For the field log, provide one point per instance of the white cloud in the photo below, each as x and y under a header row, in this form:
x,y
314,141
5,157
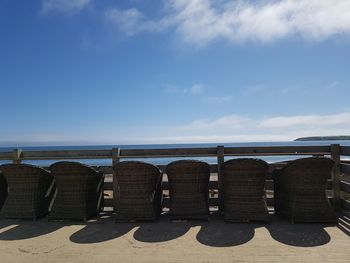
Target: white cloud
x,y
217,99
229,122
200,22
198,90
255,89
63,6
287,90
245,128
332,86
195,89
229,128
307,121
132,21
128,21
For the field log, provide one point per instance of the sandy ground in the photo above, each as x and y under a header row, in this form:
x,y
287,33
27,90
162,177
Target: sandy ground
x,y
102,240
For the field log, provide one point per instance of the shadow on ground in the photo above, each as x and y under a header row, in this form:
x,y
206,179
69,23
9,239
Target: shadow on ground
x,y
5,223
103,229
299,235
20,229
214,233
162,230
217,233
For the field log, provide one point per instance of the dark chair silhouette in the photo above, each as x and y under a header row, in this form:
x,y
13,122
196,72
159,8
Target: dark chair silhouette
x,y
137,191
188,189
3,189
244,189
79,191
30,191
300,190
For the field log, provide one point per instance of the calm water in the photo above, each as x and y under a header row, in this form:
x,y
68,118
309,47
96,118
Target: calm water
x,y
269,159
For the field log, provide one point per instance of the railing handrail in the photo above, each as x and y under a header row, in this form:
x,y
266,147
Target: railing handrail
x,y
345,150
169,152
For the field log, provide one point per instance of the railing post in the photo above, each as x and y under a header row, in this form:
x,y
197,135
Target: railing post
x,y
17,154
220,159
115,161
335,154
115,156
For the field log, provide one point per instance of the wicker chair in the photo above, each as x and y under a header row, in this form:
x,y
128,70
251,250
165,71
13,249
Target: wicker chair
x,y
79,191
137,191
300,190
3,189
30,191
244,189
188,189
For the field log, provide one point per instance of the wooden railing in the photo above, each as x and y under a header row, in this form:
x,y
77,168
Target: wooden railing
x,y
344,190
19,155
339,186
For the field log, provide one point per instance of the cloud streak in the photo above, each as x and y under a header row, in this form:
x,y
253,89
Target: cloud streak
x,y
307,121
201,22
64,6
195,89
237,128
229,128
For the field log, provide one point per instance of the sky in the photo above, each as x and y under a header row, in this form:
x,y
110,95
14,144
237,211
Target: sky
x,y
85,72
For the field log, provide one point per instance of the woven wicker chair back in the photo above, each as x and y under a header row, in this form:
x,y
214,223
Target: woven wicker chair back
x,y
3,189
244,176
68,173
22,177
28,187
188,189
137,191
136,178
244,189
72,169
307,174
79,191
300,190
188,177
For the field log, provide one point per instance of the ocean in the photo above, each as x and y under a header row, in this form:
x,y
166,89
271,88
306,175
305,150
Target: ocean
x,y
103,162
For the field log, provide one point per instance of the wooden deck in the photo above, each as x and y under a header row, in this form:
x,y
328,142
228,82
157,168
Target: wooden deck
x,y
101,240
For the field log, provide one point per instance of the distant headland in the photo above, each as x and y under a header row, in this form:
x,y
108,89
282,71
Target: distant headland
x,y
324,138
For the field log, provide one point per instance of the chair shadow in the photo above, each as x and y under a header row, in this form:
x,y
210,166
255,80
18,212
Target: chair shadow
x,y
217,233
27,229
5,223
163,230
103,229
299,235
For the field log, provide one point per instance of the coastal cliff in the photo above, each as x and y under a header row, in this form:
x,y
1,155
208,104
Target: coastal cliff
x,y
324,138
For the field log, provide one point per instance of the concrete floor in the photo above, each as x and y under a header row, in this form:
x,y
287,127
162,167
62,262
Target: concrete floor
x,y
101,240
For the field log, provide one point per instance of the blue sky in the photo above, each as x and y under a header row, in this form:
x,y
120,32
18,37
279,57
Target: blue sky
x,y
172,71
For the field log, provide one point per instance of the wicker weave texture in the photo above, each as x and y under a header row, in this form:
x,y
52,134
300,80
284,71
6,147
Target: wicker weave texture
x,y
137,191
3,189
79,191
30,191
300,190
244,189
188,189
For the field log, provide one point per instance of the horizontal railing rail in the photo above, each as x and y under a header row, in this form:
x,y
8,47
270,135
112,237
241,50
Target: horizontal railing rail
x,y
66,154
168,152
277,150
345,150
171,152
6,155
345,168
